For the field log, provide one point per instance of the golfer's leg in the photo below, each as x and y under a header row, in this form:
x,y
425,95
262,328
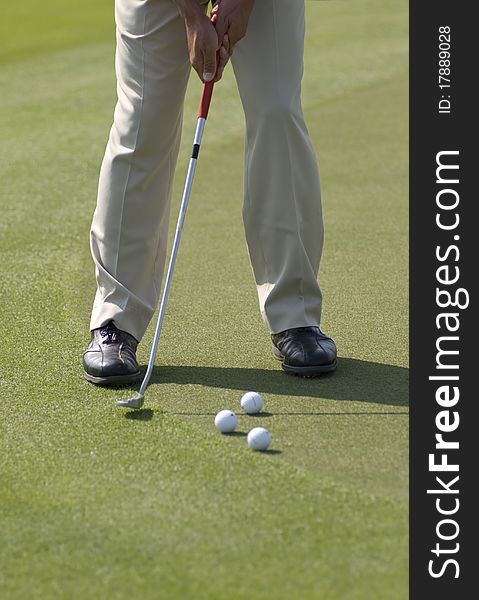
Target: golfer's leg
x,y
130,224
282,205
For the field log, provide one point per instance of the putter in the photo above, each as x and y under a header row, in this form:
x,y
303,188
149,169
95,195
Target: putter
x,y
136,401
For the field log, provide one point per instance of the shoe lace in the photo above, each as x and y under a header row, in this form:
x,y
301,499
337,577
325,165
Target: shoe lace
x,y
109,334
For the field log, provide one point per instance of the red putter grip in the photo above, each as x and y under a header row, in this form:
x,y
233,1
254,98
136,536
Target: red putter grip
x,y
206,99
208,86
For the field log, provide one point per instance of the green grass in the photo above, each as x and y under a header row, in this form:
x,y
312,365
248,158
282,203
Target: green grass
x,y
99,503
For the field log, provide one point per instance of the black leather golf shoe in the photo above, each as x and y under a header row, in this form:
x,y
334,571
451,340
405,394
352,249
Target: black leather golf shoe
x,y
110,359
305,351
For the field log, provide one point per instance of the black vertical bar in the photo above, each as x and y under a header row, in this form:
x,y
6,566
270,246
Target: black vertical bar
x,y
454,132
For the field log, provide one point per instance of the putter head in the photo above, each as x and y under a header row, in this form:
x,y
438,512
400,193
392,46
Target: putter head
x,y
135,402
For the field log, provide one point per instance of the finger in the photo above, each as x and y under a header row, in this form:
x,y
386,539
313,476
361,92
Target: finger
x,y
209,64
222,62
226,44
221,27
214,16
197,65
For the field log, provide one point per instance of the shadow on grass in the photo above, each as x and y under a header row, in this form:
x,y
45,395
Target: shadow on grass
x,y
143,414
355,380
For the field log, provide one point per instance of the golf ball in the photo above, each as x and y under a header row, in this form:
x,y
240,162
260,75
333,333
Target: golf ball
x,y
259,438
251,403
225,421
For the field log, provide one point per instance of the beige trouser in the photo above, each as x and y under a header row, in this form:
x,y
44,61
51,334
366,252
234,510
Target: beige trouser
x,y
282,205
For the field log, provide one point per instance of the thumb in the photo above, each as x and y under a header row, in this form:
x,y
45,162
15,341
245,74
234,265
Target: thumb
x,y
209,64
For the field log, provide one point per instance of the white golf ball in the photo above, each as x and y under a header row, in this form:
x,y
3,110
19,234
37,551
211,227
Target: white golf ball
x,y
251,403
225,421
259,438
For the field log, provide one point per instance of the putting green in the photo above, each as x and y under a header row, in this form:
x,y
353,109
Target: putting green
x,y
96,502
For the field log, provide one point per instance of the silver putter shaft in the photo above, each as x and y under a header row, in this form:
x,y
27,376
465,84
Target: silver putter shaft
x,y
137,400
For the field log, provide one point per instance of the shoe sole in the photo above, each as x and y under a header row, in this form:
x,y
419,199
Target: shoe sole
x,y
308,372
114,380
